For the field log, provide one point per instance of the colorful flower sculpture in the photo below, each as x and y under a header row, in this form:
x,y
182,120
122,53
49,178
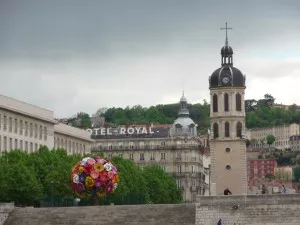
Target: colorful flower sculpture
x,y
94,177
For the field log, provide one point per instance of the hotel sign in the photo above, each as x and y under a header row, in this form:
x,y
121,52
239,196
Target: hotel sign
x,y
120,131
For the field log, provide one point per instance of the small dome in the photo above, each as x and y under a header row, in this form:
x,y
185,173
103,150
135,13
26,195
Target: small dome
x,y
226,50
183,126
237,78
183,99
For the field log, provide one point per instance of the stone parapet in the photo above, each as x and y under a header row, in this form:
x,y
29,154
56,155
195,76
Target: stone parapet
x,y
5,210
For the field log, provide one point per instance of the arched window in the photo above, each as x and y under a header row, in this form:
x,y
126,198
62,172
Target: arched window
x,y
239,129
215,103
238,102
216,130
226,103
227,129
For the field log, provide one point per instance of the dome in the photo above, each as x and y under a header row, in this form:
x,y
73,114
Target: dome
x,y
226,50
183,99
183,126
236,76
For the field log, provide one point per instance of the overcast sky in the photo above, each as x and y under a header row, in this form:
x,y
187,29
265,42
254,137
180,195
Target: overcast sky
x,y
74,55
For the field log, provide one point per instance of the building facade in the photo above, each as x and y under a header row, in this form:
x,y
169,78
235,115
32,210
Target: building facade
x,y
27,127
282,134
177,149
294,143
227,117
72,139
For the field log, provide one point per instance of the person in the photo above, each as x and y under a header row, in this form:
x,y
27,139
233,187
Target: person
x,y
283,189
263,189
219,222
227,192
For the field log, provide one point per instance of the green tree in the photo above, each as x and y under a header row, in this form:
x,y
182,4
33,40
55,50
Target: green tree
x,y
161,186
270,139
296,172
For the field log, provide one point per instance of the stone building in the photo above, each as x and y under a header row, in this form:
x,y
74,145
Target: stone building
x,y
27,127
227,117
282,134
177,149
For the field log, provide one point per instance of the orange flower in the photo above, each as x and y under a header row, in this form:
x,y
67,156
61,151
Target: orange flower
x,y
99,167
100,193
80,169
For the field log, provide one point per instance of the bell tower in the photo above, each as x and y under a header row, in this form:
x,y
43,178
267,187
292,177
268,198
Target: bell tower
x,y
227,118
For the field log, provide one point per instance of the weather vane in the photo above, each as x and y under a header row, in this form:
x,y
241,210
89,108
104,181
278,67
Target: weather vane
x,y
226,28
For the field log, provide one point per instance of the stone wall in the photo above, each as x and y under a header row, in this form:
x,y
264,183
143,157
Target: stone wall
x,y
280,209
181,214
5,209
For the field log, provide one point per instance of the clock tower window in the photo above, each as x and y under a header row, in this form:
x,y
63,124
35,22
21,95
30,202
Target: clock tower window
x,y
215,103
238,101
227,129
226,102
239,129
216,130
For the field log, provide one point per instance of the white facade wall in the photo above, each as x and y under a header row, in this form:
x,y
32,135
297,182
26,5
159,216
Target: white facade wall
x,y
72,139
281,133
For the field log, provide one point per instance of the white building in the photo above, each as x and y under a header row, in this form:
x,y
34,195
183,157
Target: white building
x,y
72,139
282,134
27,127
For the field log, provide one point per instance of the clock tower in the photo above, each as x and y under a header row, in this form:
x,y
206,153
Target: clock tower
x,y
227,118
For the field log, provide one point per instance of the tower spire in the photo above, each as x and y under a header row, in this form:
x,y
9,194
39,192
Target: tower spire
x,y
226,28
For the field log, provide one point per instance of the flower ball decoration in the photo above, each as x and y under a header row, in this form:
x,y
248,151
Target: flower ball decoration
x,y
94,177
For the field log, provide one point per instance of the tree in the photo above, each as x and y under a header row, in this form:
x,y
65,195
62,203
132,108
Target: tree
x,y
161,186
270,139
297,173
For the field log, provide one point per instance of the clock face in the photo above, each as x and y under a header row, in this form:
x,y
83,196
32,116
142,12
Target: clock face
x,y
225,80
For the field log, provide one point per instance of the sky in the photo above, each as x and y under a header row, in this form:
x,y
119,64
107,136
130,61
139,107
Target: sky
x,y
74,56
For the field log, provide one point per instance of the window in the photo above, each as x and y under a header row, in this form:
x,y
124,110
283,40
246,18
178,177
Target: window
x,y
10,124
16,125
5,143
193,182
41,132
45,133
31,147
26,128
227,130
35,131
142,156
121,155
178,155
109,155
31,130
21,144
26,146
152,157
162,156
131,156
36,147
179,183
239,129
16,143
5,123
216,130
21,127
228,167
238,102
178,169
227,150
193,169
226,103
215,103
10,144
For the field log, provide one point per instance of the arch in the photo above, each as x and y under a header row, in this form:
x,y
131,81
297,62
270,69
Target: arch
x,y
216,130
238,102
226,102
215,103
239,129
227,129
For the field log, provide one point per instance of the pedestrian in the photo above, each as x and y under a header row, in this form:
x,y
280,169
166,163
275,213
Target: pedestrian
x,y
283,189
227,192
219,222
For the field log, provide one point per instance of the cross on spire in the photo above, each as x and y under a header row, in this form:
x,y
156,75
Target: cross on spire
x,y
226,28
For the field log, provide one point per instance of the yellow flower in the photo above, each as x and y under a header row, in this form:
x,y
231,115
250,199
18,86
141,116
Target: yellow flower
x,y
80,169
89,182
99,167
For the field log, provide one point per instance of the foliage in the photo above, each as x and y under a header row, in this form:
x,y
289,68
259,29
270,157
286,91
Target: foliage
x,y
284,160
297,173
28,179
161,186
81,120
270,139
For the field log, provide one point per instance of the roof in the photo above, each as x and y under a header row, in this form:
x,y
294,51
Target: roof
x,y
72,132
